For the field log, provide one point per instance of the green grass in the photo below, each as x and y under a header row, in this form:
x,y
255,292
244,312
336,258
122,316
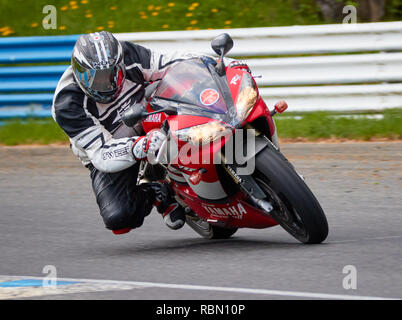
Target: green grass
x,y
325,125
24,17
31,131
312,126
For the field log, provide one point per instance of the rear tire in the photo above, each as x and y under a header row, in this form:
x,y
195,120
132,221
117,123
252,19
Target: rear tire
x,y
295,207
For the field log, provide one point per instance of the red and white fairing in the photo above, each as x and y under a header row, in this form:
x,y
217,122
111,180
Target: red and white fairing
x,y
197,183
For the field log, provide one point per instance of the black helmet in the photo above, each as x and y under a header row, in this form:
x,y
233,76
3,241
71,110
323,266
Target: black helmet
x,y
98,66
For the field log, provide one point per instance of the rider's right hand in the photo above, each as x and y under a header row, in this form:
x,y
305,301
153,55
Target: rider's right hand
x,y
149,144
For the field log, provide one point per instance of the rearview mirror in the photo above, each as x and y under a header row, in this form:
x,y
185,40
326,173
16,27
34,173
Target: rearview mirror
x,y
222,44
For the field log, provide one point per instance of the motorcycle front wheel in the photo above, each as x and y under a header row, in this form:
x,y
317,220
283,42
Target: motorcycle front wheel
x,y
295,207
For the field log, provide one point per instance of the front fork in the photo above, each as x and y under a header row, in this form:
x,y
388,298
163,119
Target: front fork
x,y
246,182
250,187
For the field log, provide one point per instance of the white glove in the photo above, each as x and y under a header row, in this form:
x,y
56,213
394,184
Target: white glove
x,y
148,145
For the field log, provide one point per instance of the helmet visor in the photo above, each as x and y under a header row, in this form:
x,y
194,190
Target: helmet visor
x,y
105,80
102,84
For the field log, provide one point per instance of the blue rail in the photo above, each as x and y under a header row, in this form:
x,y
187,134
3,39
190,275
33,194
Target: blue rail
x,y
27,91
36,49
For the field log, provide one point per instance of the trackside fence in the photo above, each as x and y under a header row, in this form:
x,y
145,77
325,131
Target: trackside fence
x,y
348,67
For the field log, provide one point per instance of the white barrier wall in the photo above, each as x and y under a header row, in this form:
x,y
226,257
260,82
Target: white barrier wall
x,y
361,68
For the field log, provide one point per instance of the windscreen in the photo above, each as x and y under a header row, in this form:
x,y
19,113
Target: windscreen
x,y
191,83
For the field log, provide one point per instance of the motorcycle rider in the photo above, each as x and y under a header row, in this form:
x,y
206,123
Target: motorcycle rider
x,y
105,78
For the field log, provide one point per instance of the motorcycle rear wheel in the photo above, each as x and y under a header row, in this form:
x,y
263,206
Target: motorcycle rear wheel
x,y
295,207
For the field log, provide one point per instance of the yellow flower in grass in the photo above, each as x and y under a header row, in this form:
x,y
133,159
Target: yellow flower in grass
x,y
150,7
34,25
74,7
228,22
64,8
189,14
62,28
165,26
144,17
113,8
88,15
7,32
194,22
171,4
193,6
84,1
214,10
73,3
155,13
189,28
157,8
100,28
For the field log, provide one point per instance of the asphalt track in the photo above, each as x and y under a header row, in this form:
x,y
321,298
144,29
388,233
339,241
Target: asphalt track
x,y
48,216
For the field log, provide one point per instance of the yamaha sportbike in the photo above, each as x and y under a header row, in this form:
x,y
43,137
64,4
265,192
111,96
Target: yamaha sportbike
x,y
221,156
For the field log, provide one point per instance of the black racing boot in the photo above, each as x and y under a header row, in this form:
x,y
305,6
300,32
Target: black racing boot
x,y
172,212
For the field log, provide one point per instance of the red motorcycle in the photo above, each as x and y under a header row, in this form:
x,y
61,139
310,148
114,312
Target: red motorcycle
x,y
212,114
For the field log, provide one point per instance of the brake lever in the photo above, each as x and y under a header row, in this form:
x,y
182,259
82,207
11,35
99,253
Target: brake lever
x,y
160,152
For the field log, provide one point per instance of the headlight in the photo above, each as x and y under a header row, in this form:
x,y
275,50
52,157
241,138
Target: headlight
x,y
246,98
204,133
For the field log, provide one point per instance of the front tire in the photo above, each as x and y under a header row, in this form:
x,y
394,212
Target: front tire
x,y
295,207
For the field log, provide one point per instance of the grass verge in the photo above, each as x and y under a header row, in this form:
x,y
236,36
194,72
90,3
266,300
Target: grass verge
x,y
309,127
24,18
324,125
31,131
